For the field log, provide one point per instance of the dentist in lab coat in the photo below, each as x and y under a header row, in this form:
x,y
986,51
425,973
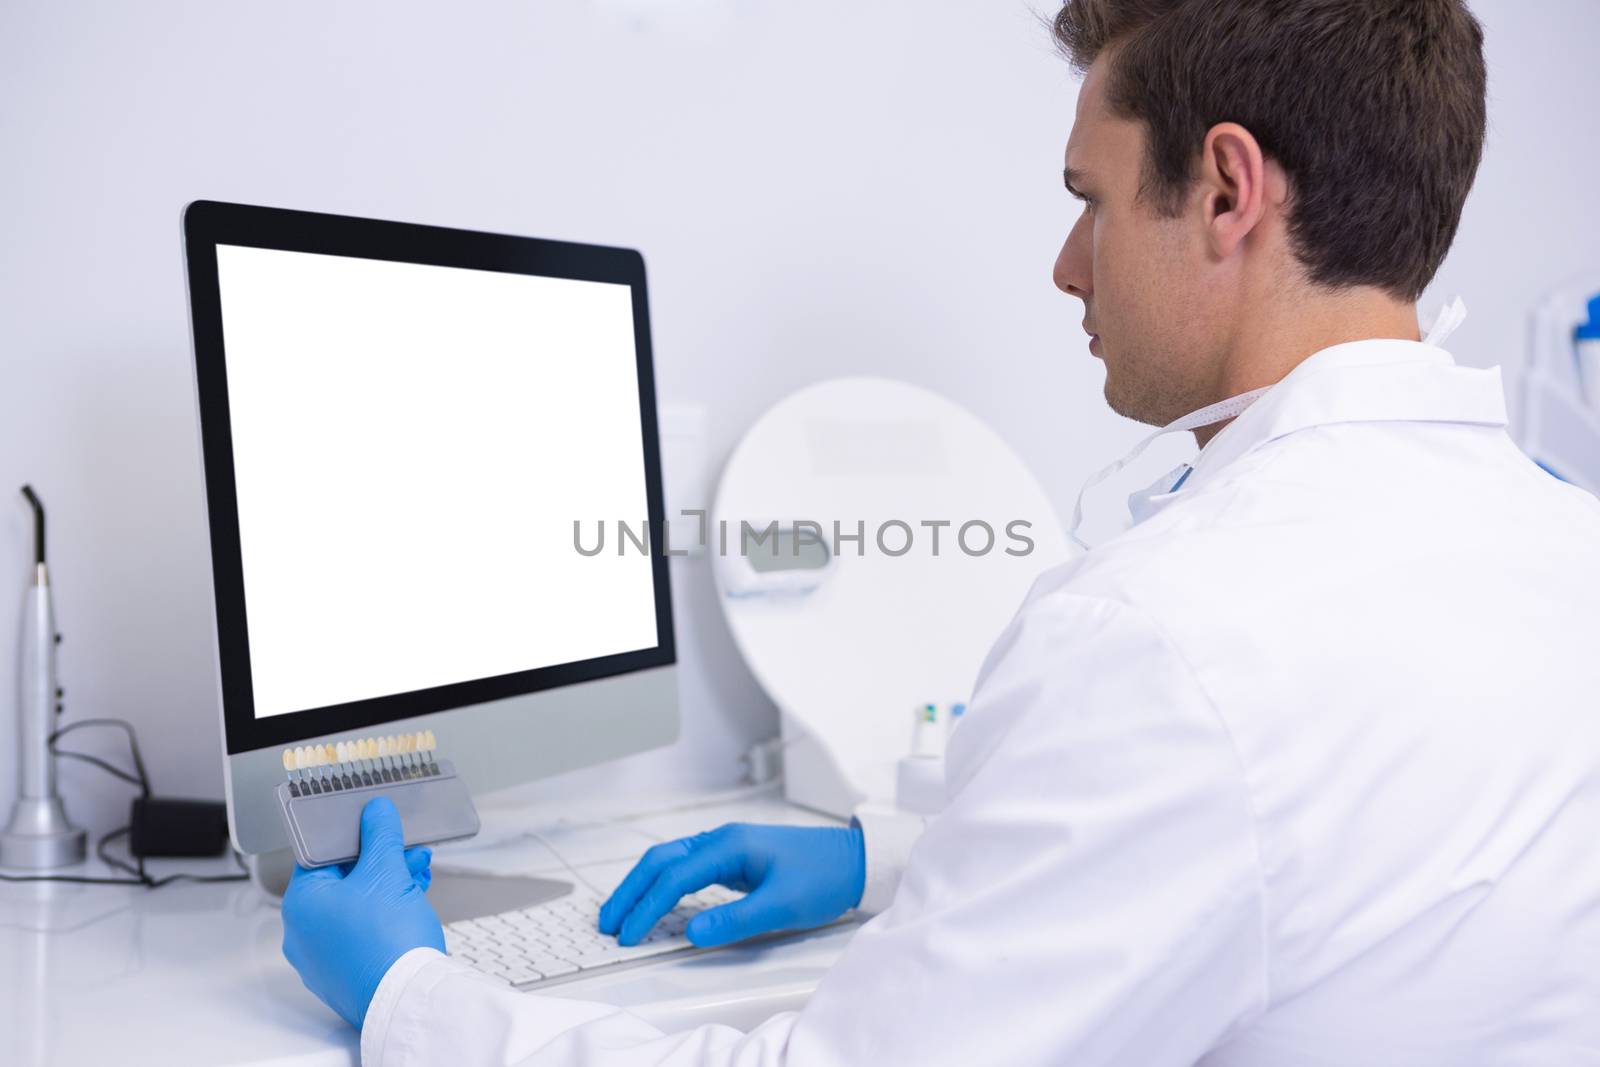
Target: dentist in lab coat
x,y
1302,768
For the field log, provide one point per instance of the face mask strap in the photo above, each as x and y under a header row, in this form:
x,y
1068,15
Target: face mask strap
x,y
1206,416
1445,322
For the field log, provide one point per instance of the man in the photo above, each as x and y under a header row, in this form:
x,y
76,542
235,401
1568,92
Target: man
x,y
1304,768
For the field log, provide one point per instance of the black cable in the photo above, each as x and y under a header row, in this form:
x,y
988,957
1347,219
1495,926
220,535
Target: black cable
x,y
156,883
133,744
142,780
68,878
98,762
139,877
184,876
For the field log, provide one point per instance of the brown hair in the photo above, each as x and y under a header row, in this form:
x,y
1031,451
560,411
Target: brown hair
x,y
1374,109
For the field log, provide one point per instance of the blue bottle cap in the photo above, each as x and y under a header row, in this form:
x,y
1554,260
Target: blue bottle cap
x,y
1590,331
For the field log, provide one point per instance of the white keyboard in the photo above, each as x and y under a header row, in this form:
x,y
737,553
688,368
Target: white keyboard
x,y
561,940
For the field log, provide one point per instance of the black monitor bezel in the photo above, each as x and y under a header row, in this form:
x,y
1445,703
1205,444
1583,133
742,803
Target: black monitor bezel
x,y
207,224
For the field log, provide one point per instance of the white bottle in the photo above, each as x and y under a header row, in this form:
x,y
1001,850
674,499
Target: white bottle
x,y
919,777
1586,340
957,712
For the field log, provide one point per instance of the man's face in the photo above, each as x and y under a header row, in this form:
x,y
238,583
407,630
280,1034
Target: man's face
x,y
1142,278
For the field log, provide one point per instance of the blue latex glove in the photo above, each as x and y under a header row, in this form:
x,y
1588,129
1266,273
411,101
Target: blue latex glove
x,y
796,877
344,926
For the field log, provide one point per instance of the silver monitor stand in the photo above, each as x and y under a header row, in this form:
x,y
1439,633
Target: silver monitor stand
x,y
454,894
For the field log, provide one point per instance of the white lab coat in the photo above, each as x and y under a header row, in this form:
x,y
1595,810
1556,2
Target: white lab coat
x,y
1304,769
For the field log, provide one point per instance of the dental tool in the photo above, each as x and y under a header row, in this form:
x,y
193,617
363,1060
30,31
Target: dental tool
x,y
39,835
325,787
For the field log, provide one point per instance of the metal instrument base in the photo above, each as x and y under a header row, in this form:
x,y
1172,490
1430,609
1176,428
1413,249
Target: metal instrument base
x,y
40,837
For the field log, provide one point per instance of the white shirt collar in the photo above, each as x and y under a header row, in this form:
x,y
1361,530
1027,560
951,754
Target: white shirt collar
x,y
1380,380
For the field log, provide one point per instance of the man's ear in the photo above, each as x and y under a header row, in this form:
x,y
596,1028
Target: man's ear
x,y
1234,193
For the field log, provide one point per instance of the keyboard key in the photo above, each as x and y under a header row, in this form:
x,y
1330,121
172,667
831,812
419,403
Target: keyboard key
x,y
616,954
553,968
524,973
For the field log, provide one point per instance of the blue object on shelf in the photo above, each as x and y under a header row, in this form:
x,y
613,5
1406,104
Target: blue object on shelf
x,y
1590,331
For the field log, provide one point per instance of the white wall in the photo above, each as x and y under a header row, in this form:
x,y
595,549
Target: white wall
x,y
819,189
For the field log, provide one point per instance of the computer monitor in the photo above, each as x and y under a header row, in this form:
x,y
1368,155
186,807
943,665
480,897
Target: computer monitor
x,y
404,429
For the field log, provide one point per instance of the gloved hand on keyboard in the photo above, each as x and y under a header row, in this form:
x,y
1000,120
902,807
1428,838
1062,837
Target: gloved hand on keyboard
x,y
344,926
796,877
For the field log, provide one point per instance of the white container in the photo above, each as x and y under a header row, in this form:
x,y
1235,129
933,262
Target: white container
x,y
919,777
919,785
1586,342
1589,371
1556,419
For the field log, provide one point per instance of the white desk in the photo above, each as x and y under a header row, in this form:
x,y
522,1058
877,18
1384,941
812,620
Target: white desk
x,y
194,974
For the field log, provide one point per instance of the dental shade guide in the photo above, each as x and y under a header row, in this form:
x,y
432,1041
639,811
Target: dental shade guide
x,y
327,785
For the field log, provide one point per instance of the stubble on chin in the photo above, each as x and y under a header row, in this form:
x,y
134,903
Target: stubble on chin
x,y
1146,397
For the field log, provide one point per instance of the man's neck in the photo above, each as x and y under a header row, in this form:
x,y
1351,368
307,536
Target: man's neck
x,y
1274,341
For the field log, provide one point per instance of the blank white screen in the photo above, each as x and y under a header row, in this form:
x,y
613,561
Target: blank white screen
x,y
411,447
